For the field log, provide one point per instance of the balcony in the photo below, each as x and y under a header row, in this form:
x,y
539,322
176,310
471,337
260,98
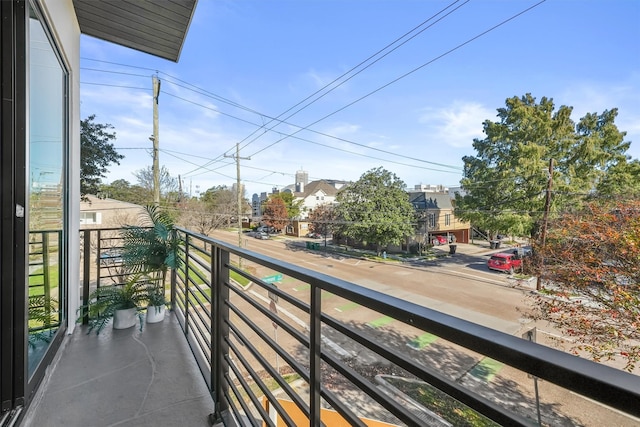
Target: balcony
x,y
255,341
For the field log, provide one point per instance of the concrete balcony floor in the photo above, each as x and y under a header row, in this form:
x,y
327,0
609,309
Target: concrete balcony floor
x,y
123,378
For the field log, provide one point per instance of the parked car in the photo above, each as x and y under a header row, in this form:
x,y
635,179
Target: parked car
x,y
262,235
439,240
507,262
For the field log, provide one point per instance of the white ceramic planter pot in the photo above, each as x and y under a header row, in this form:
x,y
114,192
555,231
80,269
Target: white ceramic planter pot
x,y
155,313
123,319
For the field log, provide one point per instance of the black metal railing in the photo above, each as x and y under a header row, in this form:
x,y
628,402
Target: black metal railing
x,y
45,258
278,343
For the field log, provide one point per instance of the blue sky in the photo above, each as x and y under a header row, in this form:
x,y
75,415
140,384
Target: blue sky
x,y
247,62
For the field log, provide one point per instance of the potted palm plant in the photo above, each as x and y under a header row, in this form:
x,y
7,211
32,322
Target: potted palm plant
x,y
120,302
152,249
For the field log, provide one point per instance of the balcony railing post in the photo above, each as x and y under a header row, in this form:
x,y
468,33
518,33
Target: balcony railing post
x,y
172,288
86,275
98,244
314,355
219,326
187,284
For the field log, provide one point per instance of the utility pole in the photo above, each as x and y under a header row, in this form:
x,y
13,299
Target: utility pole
x,y
545,220
238,190
156,142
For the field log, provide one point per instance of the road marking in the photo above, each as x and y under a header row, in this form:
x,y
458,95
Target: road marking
x,y
486,369
304,287
381,321
422,341
347,307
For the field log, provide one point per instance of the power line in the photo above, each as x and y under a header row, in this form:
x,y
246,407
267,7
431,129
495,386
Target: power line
x,y
456,168
405,75
272,119
337,79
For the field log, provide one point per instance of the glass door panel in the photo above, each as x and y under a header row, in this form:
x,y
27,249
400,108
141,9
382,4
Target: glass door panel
x,y
46,192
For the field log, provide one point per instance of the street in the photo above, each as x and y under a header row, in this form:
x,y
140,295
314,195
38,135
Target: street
x,y
458,285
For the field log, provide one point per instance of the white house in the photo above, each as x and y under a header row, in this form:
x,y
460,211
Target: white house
x,y
314,194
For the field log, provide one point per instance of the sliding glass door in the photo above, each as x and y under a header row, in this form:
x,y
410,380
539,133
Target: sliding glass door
x,y
46,192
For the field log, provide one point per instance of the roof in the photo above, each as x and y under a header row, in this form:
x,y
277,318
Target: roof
x,y
314,186
156,27
422,200
95,203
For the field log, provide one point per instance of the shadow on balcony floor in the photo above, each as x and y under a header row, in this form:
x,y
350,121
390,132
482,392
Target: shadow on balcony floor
x,y
124,378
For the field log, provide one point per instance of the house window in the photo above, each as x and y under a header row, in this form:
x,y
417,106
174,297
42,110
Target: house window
x,y
447,219
432,220
87,218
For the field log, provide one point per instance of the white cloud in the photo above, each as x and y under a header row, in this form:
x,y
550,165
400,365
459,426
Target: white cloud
x,y
455,125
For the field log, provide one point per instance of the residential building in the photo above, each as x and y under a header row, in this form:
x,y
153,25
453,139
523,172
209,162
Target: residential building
x,y
97,212
314,194
436,216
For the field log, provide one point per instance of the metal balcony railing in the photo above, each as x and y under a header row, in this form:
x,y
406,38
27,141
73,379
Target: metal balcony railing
x,y
279,344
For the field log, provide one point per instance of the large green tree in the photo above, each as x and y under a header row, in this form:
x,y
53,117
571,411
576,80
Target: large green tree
x,y
96,154
623,179
506,181
122,190
375,209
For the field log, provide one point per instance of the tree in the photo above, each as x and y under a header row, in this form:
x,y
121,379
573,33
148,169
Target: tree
x,y
623,179
274,213
591,267
293,206
375,209
505,183
96,154
168,184
222,203
322,219
122,190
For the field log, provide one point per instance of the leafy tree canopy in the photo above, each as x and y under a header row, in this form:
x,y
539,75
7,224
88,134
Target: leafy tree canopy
x,y
322,219
623,179
274,213
590,266
293,206
505,182
122,190
375,209
96,154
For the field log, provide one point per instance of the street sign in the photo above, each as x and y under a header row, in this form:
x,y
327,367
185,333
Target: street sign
x,y
272,279
274,309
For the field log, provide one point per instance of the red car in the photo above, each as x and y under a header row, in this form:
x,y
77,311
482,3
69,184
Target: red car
x,y
439,240
504,262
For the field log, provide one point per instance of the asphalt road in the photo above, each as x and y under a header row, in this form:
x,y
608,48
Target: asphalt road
x,y
460,285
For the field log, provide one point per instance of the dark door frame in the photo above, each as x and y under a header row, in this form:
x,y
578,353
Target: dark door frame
x,y
13,111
